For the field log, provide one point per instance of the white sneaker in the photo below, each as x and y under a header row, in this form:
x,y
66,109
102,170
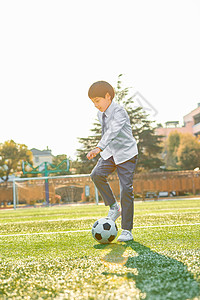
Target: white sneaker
x,y
114,212
125,236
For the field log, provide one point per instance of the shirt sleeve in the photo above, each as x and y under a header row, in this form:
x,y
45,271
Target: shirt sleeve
x,y
114,128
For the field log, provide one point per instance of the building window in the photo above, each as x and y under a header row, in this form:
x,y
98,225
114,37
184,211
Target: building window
x,y
196,119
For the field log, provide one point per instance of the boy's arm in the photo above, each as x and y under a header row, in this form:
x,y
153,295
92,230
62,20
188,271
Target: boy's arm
x,y
93,153
115,126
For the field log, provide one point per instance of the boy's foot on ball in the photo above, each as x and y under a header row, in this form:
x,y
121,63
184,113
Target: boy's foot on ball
x,y
114,212
125,236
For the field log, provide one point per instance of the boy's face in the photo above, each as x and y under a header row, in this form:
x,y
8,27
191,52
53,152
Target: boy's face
x,y
102,103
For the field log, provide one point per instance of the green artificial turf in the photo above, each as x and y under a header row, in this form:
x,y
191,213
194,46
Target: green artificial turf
x,y
52,260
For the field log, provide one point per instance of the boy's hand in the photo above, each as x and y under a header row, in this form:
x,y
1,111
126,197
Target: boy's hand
x,y
93,153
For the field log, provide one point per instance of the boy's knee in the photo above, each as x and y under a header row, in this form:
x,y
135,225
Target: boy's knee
x,y
126,189
93,175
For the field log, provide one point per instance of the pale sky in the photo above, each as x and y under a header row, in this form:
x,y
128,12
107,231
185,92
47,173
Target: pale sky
x,y
52,51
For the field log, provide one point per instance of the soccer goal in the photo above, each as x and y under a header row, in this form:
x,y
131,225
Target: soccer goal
x,y
53,190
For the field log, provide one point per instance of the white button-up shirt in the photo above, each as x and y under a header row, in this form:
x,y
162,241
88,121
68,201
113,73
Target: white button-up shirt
x,y
117,140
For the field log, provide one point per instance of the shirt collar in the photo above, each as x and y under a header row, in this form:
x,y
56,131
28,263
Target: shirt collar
x,y
110,109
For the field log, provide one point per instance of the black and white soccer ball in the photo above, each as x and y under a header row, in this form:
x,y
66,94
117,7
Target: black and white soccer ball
x,y
104,230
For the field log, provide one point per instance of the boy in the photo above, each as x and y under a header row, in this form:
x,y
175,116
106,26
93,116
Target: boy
x,y
118,150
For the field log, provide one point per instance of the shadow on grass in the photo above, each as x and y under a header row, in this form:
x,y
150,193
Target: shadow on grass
x,y
159,277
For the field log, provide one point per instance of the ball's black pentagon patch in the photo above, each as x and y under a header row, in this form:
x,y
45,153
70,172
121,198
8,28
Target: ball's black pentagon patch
x,y
106,226
95,224
111,238
98,236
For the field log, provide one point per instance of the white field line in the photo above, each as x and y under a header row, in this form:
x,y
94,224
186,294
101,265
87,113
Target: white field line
x,y
23,217
44,233
141,210
87,218
172,209
167,225
48,221
167,213
87,230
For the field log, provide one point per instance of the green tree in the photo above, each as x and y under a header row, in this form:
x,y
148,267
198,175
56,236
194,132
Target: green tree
x,y
83,165
143,131
172,145
183,151
149,144
188,153
11,156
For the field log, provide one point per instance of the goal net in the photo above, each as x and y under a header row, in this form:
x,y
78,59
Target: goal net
x,y
44,191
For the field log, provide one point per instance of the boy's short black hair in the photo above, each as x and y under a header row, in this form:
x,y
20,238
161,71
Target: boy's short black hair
x,y
100,89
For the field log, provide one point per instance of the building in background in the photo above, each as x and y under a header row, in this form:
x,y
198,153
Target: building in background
x,y
193,118
40,156
191,125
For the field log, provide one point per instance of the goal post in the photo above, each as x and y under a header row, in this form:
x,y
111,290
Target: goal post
x,y
64,189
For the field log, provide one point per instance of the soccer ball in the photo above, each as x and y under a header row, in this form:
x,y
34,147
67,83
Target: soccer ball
x,y
104,230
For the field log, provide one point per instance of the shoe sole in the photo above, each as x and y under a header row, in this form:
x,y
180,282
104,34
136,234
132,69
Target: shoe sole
x,y
119,240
